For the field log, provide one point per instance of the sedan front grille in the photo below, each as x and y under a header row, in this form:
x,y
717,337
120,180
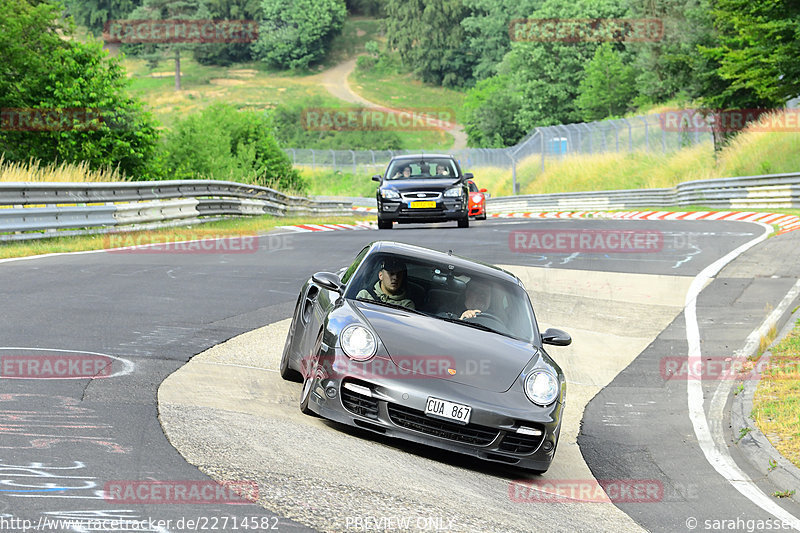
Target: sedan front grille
x,y
418,421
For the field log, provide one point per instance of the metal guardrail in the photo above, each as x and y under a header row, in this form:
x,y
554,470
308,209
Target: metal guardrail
x,y
775,191
51,207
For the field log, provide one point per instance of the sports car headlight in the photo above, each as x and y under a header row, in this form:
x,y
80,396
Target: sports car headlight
x,y
390,194
454,192
541,387
358,342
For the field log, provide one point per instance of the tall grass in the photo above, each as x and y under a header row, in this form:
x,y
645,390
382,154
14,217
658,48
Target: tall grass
x,y
750,153
33,170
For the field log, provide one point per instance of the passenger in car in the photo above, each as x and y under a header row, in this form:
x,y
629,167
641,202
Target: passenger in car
x,y
405,173
390,287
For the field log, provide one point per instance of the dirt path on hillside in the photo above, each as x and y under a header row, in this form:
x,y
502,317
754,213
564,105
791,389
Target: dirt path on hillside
x,y
335,80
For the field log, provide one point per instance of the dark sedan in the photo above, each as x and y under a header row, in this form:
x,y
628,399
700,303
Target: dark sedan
x,y
422,188
429,347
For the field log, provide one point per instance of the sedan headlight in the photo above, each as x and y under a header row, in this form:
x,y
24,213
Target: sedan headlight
x,y
390,194
541,387
454,192
358,342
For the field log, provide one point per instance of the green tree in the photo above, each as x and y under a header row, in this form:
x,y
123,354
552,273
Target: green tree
x,y
94,14
223,143
759,47
296,33
490,109
45,73
227,53
154,53
608,87
430,40
487,31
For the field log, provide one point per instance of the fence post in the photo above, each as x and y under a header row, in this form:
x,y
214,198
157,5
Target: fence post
x,y
616,135
313,160
630,134
646,133
354,161
541,143
334,160
590,136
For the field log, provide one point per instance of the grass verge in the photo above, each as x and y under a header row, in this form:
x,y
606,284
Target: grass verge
x,y
776,405
210,230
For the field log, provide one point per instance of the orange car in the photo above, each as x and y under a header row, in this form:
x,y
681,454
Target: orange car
x,y
477,201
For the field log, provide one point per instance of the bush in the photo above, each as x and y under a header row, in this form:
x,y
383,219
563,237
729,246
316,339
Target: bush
x,y
223,143
287,124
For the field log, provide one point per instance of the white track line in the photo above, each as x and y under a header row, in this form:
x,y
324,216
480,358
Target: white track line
x,y
718,456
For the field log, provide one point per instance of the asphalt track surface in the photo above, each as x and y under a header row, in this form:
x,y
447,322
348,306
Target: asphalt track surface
x,y
64,441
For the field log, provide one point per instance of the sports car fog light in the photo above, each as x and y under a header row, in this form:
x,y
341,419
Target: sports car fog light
x,y
330,392
541,387
547,446
358,342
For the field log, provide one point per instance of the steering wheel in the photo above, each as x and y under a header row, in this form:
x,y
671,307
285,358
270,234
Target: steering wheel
x,y
491,320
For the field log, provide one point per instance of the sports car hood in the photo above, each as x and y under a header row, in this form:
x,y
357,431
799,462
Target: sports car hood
x,y
434,348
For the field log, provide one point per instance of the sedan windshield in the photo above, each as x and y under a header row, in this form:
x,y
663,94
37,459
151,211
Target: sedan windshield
x,y
446,292
427,168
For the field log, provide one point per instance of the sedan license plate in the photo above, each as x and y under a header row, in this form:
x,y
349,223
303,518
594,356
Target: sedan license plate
x,y
452,411
422,205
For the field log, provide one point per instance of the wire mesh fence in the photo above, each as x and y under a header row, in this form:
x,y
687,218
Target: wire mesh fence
x,y
653,133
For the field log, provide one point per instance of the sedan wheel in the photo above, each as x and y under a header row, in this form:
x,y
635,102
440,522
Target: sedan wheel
x,y
384,224
464,222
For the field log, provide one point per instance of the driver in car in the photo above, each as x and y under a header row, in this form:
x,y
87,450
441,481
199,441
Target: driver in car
x,y
390,287
405,173
477,299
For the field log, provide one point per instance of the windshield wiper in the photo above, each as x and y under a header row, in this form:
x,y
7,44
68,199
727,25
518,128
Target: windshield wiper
x,y
387,304
472,325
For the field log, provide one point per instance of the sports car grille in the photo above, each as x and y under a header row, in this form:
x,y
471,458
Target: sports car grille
x,y
521,444
416,420
360,405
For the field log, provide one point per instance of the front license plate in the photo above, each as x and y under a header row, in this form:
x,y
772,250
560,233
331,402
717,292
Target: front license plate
x,y
422,205
444,409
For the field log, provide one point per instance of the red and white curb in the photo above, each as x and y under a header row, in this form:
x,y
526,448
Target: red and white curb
x,y
785,222
358,225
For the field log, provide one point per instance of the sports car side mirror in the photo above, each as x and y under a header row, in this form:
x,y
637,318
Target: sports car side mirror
x,y
482,190
328,280
556,337
376,177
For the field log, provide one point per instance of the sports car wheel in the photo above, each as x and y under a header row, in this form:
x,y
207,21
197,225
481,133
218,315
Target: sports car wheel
x,y
305,395
482,217
287,373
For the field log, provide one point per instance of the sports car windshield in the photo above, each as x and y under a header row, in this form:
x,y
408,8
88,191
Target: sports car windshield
x,y
446,292
423,169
